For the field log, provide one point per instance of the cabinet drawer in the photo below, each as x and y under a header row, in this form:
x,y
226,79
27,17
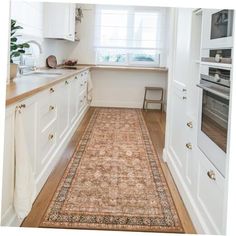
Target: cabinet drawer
x,y
47,113
210,192
83,80
46,145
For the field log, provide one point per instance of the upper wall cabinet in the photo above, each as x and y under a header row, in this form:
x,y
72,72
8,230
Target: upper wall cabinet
x,y
59,21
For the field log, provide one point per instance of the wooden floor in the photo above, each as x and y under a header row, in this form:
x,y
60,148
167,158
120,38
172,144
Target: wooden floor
x,y
155,121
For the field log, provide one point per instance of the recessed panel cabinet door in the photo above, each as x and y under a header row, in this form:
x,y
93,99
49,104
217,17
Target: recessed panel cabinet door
x,y
178,129
74,94
179,91
59,21
63,109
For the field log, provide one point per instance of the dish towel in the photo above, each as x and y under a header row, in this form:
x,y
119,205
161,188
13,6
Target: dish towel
x,y
89,89
25,185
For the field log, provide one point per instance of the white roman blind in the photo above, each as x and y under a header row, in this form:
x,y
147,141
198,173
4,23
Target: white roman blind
x,y
130,35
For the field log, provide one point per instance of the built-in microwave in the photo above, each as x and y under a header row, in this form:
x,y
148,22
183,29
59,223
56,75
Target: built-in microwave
x,y
217,28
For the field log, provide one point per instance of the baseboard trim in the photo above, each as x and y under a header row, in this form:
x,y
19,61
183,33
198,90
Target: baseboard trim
x,y
118,104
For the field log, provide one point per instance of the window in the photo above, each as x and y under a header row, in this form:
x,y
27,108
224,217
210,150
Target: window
x,y
129,36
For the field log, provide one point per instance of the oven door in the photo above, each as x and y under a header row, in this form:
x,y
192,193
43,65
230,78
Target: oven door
x,y
217,28
213,125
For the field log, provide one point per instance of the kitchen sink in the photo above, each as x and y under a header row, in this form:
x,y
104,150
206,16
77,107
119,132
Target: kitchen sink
x,y
43,74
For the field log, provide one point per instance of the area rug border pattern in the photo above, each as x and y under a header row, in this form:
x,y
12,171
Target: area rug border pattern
x,y
53,219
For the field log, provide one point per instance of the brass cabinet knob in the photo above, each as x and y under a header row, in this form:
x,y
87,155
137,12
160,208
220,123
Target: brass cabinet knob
x,y
184,97
50,136
81,85
81,100
184,90
52,90
76,77
190,124
85,82
211,174
51,108
22,106
189,146
66,82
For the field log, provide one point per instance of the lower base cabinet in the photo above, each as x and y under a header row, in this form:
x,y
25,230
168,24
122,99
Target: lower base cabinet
x,y
49,120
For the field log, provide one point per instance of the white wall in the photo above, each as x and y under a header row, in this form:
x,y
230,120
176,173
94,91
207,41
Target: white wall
x,y
124,88
29,15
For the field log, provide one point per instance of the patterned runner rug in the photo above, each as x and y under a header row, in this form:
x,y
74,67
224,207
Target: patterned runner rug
x,y
114,180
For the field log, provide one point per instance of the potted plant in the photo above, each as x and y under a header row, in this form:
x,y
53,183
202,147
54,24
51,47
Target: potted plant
x,y
16,49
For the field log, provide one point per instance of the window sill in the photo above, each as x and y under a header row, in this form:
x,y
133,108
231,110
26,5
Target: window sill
x,y
114,67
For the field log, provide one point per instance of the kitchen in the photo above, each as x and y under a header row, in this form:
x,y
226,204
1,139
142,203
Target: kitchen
x,y
77,97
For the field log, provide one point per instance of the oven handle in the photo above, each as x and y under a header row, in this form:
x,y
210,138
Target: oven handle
x,y
220,94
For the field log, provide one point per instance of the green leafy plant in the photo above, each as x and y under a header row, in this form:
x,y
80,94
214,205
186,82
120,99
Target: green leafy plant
x,y
16,48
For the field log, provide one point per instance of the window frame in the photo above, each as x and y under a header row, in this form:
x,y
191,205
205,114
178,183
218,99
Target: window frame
x,y
131,16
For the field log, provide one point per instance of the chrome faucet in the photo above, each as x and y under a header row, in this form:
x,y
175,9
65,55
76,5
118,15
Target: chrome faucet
x,y
22,63
36,43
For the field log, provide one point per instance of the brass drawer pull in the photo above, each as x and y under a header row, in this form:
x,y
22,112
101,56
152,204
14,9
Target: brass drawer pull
x,y
189,146
76,77
50,136
184,97
184,90
66,82
190,124
52,90
211,174
51,108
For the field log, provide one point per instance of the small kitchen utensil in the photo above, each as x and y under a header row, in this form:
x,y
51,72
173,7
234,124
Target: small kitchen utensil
x,y
51,61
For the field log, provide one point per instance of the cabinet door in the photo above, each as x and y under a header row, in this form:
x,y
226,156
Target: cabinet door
x,y
178,129
59,21
71,22
74,94
63,109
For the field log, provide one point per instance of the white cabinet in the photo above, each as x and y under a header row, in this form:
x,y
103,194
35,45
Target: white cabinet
x,y
210,192
47,113
49,120
74,94
63,97
59,21
201,186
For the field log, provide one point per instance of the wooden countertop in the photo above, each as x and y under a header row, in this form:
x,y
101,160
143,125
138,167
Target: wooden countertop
x,y
26,86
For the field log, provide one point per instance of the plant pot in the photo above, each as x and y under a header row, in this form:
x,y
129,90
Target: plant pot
x,y
13,70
